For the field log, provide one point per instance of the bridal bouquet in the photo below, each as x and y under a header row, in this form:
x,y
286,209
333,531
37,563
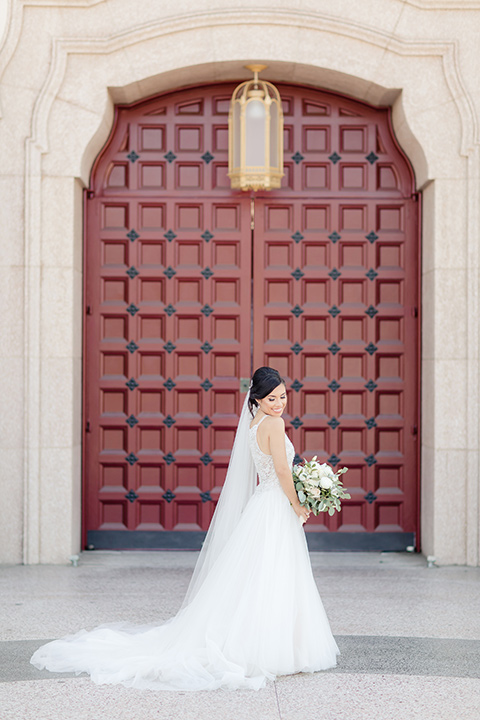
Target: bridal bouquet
x,y
319,488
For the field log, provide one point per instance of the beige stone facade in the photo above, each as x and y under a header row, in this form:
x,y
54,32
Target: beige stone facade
x,y
63,66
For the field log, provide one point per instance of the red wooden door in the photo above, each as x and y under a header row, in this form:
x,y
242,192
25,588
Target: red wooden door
x,y
168,270
168,330
336,298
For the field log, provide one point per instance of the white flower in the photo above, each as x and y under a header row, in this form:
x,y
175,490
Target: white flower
x,y
326,482
326,470
314,492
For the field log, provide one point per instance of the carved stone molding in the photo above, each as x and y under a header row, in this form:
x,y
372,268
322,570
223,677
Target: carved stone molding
x,y
215,21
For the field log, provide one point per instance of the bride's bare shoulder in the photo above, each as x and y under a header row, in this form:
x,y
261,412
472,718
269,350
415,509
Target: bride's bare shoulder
x,y
275,424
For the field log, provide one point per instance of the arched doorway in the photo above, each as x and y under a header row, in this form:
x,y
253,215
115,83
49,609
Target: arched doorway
x,y
189,285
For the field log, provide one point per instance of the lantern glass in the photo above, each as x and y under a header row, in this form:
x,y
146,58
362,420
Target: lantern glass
x,y
255,134
274,135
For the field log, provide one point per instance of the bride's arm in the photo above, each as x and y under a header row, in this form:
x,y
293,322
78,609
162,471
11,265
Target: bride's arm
x,y
276,429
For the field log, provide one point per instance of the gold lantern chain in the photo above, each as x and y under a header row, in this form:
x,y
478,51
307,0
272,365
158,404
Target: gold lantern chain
x,y
256,69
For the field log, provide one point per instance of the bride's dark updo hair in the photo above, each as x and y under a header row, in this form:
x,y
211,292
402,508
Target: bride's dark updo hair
x,y
264,380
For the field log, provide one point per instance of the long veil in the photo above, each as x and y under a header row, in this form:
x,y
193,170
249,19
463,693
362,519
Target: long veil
x,y
237,489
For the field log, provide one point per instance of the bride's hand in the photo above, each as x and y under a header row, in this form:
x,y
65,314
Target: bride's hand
x,y
302,512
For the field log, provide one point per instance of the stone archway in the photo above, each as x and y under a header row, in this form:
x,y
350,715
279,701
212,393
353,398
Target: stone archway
x,y
70,123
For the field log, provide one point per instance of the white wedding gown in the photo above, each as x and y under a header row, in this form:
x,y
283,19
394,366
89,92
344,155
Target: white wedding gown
x,y
258,614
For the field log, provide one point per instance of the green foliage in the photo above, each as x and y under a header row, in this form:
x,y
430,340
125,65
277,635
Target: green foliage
x,y
319,488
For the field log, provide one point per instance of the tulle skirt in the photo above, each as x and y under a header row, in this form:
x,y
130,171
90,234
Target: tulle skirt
x,y
257,615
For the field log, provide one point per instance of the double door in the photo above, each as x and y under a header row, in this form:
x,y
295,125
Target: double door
x,y
212,290
190,286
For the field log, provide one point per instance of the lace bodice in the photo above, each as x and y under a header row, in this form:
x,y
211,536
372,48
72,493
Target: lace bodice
x,y
264,463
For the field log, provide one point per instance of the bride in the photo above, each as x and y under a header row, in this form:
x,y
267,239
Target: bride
x,y
252,609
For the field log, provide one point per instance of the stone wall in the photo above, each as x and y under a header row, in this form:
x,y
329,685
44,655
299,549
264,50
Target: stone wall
x,y
63,65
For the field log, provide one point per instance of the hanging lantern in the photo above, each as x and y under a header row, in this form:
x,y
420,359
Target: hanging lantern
x,y
255,135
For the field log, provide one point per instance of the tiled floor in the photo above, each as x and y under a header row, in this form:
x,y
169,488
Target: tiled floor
x,y
409,637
